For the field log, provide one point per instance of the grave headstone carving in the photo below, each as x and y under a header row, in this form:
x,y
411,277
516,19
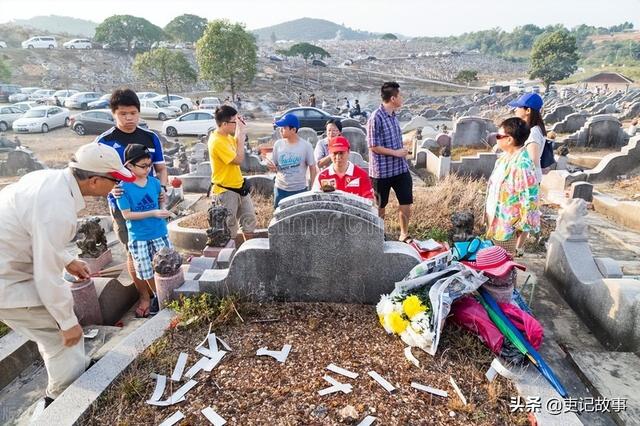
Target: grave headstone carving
x,y
462,226
583,190
218,234
357,140
91,239
571,224
168,274
309,135
472,130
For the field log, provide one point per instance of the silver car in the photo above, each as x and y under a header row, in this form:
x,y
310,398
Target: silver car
x,y
8,115
42,119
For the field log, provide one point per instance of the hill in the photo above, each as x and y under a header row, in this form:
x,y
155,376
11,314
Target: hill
x,y
53,24
309,29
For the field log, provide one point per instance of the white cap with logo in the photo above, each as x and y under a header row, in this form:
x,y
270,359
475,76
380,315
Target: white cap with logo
x,y
102,160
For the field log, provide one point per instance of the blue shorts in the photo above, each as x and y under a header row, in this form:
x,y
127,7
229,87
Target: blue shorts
x,y
142,253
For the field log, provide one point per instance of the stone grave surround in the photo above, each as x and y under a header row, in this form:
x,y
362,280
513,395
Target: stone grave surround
x,y
600,131
472,130
322,247
594,287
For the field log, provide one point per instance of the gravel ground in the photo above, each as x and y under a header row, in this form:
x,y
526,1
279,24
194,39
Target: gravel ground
x,y
249,390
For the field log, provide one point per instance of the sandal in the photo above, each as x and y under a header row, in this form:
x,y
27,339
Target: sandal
x,y
408,239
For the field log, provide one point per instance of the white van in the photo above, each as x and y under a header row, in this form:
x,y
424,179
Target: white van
x,y
40,42
78,43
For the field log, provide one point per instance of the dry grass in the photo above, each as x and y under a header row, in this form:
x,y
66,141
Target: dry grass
x,y
458,152
433,206
249,390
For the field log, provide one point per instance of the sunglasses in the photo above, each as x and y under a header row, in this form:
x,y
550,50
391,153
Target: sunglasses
x,y
143,166
107,177
499,136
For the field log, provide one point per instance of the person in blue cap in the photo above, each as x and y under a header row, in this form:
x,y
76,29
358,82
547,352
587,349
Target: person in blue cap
x,y
292,156
528,107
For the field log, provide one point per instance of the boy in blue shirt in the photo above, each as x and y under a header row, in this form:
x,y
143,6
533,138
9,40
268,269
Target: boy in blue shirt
x,y
146,221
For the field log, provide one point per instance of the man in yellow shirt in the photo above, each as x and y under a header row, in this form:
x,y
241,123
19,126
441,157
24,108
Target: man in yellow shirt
x,y
226,153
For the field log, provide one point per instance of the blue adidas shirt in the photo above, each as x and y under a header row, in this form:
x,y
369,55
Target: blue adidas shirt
x,y
118,140
142,199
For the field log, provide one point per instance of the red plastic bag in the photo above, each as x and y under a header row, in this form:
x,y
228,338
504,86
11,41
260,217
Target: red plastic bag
x,y
469,314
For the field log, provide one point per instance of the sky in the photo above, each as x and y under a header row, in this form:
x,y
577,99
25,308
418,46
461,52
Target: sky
x,y
407,17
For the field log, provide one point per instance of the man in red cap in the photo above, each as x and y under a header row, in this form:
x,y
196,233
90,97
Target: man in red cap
x,y
342,174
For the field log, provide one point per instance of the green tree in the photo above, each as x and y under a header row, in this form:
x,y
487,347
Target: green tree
x,y
466,76
554,57
307,51
187,28
5,72
227,55
125,29
163,67
389,36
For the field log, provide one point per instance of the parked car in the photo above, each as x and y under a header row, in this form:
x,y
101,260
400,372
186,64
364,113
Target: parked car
x,y
210,103
62,95
310,117
147,95
318,63
40,42
6,90
185,104
3,45
81,100
8,115
120,47
100,103
191,123
42,119
78,43
25,105
23,95
41,95
158,109
95,122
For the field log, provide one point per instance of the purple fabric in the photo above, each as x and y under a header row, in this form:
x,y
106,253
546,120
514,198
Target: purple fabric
x,y
383,130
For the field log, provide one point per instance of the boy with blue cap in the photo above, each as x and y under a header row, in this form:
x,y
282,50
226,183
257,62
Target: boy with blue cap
x,y
292,156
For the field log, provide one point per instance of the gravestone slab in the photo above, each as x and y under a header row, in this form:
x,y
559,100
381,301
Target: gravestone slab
x,y
261,184
309,135
472,130
421,160
582,190
358,141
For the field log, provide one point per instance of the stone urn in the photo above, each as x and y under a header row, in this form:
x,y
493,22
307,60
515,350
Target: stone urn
x,y
168,274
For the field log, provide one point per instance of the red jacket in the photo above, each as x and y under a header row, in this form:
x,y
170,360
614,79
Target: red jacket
x,y
355,181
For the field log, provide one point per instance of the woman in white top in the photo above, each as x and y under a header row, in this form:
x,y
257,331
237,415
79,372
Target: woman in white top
x,y
528,107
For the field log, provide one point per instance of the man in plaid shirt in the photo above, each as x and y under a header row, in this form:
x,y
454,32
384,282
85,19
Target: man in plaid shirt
x,y
388,166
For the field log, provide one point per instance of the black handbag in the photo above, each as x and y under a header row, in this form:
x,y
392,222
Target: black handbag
x,y
547,158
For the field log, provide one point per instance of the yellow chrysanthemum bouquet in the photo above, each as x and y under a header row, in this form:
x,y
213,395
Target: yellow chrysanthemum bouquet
x,y
408,316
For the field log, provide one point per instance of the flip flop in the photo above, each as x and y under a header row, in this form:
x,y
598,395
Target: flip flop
x,y
142,312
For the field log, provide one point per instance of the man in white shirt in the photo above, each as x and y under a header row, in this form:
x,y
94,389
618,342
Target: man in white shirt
x,y
38,216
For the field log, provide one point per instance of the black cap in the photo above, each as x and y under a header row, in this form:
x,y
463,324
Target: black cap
x,y
134,152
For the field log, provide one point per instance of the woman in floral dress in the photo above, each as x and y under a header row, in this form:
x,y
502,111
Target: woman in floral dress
x,y
511,209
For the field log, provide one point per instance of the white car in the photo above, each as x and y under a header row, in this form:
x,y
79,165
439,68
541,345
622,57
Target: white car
x,y
185,104
40,42
147,95
62,96
23,95
191,123
157,109
42,119
25,106
9,114
210,103
41,95
78,43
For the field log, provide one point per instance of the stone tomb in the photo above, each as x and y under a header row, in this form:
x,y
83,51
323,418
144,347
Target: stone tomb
x,y
321,247
358,141
472,130
309,135
600,131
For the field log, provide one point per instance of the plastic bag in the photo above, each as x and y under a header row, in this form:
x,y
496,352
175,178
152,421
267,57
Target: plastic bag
x,y
469,314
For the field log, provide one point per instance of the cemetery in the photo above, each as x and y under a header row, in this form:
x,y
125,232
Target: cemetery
x,y
320,315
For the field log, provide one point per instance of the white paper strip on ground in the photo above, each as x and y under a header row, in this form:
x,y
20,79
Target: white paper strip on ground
x,y
382,382
161,382
206,352
368,421
280,356
498,368
179,368
182,391
195,368
206,337
165,403
173,419
224,344
345,388
429,389
457,389
213,344
409,355
213,417
339,370
210,365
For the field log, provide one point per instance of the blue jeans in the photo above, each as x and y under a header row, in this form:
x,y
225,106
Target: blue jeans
x,y
281,194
